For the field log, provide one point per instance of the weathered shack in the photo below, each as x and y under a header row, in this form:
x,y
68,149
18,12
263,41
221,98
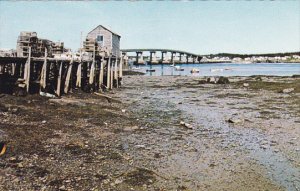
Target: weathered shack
x,y
105,40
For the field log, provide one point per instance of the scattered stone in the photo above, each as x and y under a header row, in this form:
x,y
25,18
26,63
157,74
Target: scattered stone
x,y
44,121
131,128
288,90
157,155
258,78
3,108
296,76
223,80
123,110
235,120
20,165
245,84
273,143
140,146
118,181
12,159
202,82
211,80
263,146
187,125
139,177
62,187
66,101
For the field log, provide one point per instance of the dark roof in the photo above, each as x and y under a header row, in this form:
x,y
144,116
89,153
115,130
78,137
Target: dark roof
x,y
105,29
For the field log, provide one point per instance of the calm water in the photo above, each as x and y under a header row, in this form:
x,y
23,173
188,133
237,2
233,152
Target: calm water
x,y
225,69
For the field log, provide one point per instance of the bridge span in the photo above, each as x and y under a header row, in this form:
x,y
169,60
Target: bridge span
x,y
167,56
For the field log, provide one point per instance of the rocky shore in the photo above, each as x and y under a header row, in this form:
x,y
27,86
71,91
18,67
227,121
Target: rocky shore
x,y
156,133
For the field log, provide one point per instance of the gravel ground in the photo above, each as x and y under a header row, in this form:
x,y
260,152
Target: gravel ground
x,y
156,133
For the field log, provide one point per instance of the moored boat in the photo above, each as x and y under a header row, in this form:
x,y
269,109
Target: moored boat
x,y
195,70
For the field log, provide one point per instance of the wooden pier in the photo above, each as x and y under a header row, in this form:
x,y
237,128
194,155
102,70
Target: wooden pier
x,y
57,76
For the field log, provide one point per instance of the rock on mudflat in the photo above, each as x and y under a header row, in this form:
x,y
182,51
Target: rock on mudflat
x,y
245,84
211,80
288,90
235,120
296,76
223,80
131,128
189,126
3,108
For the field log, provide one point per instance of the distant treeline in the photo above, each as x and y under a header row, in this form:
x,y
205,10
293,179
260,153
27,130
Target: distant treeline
x,y
250,55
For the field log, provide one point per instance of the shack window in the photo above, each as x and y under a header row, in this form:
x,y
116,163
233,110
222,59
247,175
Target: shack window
x,y
100,38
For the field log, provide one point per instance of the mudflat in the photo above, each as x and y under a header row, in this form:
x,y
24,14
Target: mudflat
x,y
156,133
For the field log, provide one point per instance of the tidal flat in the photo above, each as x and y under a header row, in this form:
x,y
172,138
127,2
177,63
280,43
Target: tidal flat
x,y
156,133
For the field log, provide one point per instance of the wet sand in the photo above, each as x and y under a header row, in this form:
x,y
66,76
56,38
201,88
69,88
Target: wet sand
x,y
137,139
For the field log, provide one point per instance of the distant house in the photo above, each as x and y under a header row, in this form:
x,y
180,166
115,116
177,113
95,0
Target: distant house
x,y
105,40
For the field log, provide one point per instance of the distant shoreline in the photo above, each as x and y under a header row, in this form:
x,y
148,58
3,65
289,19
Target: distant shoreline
x,y
223,62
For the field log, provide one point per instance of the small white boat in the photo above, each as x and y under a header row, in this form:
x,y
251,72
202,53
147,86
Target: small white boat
x,y
172,65
195,70
136,68
178,68
216,70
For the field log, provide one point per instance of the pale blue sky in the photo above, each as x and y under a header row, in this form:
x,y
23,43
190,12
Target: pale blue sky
x,y
201,27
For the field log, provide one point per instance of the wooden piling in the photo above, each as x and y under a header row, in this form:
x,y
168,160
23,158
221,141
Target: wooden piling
x,y
121,66
116,72
67,82
101,73
27,71
92,70
111,76
43,80
92,73
59,79
108,72
78,76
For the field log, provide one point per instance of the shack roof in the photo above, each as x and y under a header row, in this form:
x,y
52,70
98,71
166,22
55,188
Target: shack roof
x,y
101,26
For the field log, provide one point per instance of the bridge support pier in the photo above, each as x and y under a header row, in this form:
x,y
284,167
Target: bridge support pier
x,y
151,57
162,56
180,57
139,57
172,56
